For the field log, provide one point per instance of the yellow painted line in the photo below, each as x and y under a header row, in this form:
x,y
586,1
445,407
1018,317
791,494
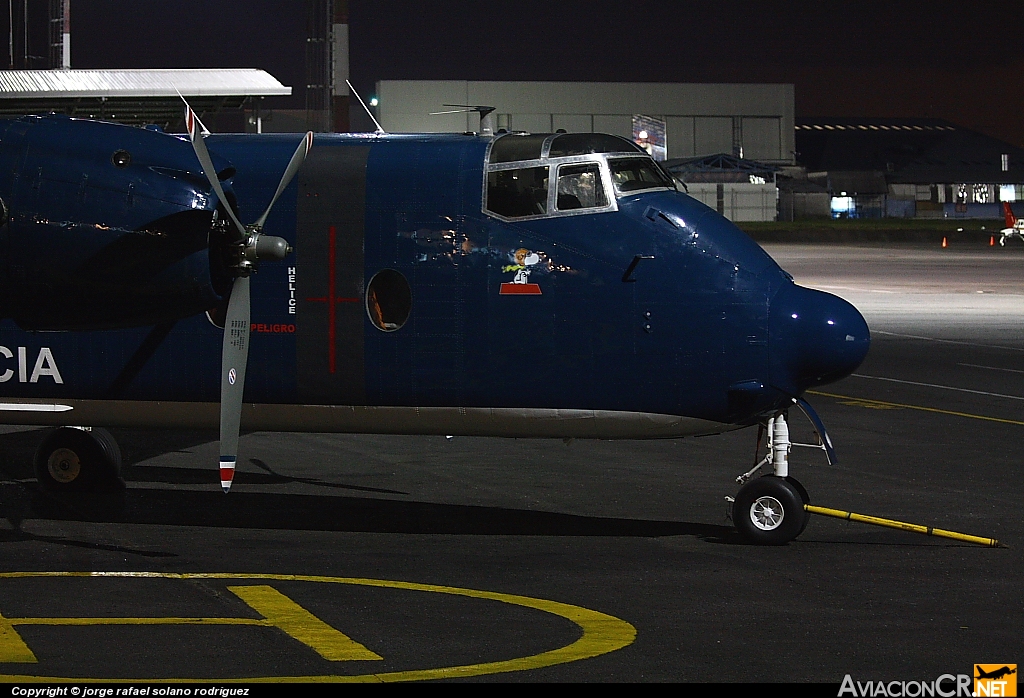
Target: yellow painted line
x,y
601,633
12,647
882,404
297,622
902,525
869,404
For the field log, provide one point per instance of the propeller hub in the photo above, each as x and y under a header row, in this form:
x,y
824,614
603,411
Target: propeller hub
x,y
258,247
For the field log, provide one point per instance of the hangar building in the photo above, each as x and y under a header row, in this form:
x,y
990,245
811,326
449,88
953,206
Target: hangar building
x,y
924,168
753,121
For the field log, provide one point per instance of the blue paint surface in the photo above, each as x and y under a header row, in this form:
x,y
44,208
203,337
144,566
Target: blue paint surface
x,y
708,326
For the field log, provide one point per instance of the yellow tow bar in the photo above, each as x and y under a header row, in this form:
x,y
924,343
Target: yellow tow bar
x,y
914,528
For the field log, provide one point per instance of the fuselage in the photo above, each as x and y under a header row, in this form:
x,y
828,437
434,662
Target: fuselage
x,y
527,278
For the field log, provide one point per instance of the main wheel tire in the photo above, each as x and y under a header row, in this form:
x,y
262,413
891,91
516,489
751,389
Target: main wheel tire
x,y
74,460
769,511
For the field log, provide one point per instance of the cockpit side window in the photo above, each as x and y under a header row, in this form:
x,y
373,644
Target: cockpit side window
x,y
635,174
518,193
579,186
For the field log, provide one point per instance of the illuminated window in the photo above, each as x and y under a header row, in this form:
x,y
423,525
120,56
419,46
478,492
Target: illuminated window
x,y
1007,192
843,207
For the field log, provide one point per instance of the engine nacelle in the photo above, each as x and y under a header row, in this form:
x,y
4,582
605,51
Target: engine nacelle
x,y
106,226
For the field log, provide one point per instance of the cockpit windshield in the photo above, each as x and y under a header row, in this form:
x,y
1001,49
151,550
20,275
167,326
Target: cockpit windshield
x,y
635,174
565,174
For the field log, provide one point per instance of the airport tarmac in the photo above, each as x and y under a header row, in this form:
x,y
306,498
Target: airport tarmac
x,y
410,557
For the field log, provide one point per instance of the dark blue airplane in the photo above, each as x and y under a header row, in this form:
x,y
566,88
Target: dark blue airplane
x,y
548,285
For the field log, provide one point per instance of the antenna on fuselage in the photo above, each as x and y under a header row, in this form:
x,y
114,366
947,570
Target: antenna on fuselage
x,y
380,129
486,125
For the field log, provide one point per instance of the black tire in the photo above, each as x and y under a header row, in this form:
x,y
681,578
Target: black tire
x,y
74,460
769,511
804,497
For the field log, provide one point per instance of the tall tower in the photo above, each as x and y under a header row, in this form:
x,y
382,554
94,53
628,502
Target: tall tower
x,y
327,66
60,34
319,65
339,49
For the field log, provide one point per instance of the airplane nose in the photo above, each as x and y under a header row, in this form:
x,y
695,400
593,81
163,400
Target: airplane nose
x,y
813,338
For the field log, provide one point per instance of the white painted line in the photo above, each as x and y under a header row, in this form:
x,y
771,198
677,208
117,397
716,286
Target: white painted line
x,y
941,387
993,368
32,407
947,341
852,288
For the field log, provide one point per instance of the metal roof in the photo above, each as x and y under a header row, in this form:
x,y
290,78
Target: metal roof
x,y
720,167
717,163
872,124
142,83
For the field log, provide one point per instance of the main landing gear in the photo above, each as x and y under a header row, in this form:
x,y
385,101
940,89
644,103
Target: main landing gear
x,y
769,510
77,459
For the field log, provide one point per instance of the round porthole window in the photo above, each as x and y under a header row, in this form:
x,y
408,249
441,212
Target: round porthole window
x,y
388,300
121,158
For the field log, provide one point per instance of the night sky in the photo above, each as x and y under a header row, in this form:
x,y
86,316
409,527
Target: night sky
x,y
959,61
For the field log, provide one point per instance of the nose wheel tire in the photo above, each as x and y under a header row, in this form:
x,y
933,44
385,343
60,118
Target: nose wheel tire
x,y
770,511
74,460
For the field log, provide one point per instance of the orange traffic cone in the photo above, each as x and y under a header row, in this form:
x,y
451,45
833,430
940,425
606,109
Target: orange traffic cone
x,y
944,243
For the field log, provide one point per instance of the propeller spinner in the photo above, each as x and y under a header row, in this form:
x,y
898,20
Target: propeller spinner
x,y
246,249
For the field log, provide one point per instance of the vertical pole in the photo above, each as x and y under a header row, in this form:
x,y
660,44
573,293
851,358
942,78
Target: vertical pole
x,y
10,21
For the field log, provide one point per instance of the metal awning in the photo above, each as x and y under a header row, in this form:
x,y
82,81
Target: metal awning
x,y
138,97
162,82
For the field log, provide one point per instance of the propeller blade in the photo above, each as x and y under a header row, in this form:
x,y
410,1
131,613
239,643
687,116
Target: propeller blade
x,y
234,355
293,166
193,124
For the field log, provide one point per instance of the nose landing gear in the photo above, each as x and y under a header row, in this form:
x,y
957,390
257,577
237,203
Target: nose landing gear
x,y
769,510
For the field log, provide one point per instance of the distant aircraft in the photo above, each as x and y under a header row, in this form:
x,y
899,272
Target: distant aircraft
x,y
1014,226
521,285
